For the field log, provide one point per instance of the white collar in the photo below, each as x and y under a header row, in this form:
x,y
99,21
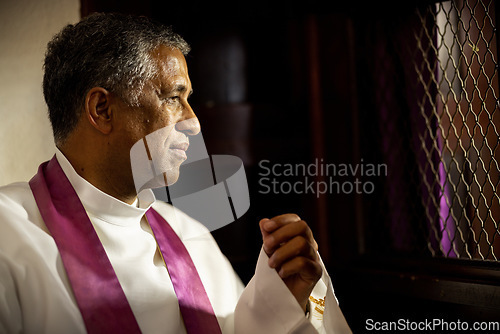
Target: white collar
x,y
102,205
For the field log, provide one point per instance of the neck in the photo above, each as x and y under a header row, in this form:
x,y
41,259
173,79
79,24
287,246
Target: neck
x,y
96,171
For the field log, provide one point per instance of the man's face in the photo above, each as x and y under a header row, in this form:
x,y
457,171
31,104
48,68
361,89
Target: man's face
x,y
164,117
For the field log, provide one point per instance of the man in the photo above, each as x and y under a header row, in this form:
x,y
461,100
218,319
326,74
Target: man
x,y
82,251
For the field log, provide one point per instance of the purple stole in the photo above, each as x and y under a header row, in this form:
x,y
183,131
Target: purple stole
x,y
99,296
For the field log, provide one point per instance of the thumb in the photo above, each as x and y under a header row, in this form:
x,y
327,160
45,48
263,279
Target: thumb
x,y
262,230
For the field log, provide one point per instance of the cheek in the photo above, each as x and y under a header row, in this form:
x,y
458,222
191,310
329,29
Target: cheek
x,y
158,138
150,118
160,118
137,125
158,143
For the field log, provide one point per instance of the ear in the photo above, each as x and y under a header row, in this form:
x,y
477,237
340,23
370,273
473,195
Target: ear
x,y
97,109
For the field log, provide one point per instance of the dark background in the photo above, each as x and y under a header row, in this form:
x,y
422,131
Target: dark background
x,y
291,82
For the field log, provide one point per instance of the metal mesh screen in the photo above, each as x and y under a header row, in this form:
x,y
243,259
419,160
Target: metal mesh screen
x,y
461,137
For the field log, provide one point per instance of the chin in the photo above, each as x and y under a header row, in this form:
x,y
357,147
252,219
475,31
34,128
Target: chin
x,y
162,180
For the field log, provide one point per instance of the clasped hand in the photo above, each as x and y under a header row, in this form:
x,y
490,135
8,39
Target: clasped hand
x,y
289,243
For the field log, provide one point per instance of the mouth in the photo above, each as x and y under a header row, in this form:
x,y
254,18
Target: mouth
x,y
180,146
180,149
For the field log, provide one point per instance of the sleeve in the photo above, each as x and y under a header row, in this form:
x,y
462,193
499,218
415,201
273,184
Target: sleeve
x,y
267,306
10,310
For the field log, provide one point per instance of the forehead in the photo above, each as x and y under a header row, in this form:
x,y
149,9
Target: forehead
x,y
172,67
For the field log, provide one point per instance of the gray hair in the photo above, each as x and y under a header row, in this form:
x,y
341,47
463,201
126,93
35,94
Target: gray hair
x,y
112,51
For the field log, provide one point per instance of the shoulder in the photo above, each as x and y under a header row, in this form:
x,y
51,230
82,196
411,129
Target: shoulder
x,y
185,226
16,198
19,214
15,189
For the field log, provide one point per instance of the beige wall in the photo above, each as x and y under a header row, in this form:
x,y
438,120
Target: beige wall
x,y
25,135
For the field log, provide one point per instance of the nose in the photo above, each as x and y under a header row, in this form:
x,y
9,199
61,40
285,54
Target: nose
x,y
190,126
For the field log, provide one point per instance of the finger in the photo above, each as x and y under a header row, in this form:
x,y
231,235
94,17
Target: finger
x,y
265,234
315,244
287,232
263,231
276,222
308,269
286,218
298,246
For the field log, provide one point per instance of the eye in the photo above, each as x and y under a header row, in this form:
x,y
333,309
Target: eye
x,y
172,99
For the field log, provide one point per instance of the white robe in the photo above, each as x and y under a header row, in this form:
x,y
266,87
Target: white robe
x,y
36,296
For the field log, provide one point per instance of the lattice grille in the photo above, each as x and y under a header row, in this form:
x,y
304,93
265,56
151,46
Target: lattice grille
x,y
461,138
